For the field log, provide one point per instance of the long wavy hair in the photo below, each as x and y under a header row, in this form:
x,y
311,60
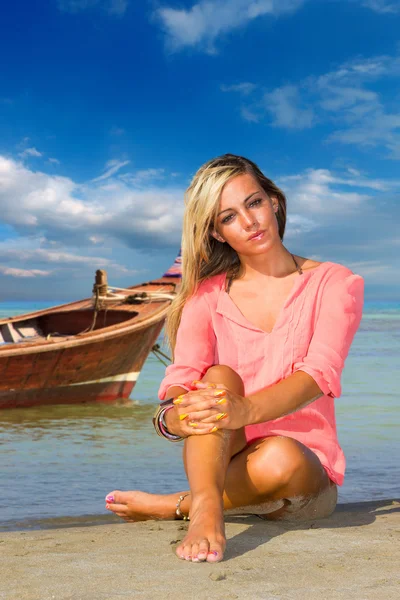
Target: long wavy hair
x,y
202,255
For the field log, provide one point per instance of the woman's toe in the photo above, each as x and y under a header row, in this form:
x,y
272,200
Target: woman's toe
x,y
110,498
203,550
180,551
194,553
187,552
215,554
121,497
116,502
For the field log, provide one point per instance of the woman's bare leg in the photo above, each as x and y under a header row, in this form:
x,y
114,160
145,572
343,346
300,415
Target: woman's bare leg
x,y
271,474
206,460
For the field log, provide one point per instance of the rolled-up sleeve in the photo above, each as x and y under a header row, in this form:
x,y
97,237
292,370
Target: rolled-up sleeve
x,y
195,346
337,321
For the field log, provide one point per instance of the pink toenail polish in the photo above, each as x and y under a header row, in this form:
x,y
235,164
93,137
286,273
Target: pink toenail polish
x,y
213,552
109,498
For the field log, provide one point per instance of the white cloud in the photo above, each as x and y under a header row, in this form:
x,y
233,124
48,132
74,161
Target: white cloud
x,y
142,177
43,256
207,20
58,209
250,115
113,166
319,193
95,239
14,272
30,152
351,98
382,6
244,88
297,225
340,98
377,272
284,106
54,161
378,129
362,113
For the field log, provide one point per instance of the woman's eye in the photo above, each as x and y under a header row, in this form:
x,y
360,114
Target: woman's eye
x,y
255,202
226,219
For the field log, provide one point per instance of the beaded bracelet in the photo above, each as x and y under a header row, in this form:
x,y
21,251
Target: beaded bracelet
x,y
178,511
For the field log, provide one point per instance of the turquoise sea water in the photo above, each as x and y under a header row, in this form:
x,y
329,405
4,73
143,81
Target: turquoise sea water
x,y
61,461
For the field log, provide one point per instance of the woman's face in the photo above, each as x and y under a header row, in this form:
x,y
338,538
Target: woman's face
x,y
246,217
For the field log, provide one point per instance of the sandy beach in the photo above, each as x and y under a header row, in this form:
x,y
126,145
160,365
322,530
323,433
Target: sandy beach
x,y
351,555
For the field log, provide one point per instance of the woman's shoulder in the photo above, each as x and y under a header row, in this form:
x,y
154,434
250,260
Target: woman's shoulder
x,y
208,290
336,280
325,269
211,285
336,283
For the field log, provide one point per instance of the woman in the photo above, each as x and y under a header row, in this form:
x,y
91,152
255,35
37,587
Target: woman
x,y
260,337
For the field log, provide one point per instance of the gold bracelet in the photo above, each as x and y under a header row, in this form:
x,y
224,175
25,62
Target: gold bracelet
x,y
178,511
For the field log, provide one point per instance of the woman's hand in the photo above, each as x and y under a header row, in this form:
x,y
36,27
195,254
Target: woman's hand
x,y
211,407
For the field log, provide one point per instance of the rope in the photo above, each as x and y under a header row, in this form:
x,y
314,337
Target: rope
x,y
111,297
149,297
137,298
156,351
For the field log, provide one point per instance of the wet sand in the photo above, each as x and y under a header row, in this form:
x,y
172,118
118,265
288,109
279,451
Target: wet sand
x,y
354,554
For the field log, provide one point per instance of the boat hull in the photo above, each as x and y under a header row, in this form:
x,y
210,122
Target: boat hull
x,y
101,371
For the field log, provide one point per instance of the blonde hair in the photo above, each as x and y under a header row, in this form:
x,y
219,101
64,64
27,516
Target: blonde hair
x,y
202,255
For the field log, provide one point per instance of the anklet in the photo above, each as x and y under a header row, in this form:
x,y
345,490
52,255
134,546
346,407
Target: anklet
x,y
178,511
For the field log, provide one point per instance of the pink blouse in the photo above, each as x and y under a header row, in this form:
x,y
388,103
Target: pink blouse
x,y
313,333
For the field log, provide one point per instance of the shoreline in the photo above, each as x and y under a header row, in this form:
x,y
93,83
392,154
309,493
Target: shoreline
x,y
347,556
94,520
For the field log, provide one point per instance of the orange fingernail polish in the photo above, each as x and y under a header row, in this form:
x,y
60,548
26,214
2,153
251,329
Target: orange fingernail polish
x,y
221,401
183,417
178,400
220,393
214,429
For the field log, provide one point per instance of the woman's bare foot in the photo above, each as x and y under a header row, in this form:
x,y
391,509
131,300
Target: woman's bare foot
x,y
140,506
205,540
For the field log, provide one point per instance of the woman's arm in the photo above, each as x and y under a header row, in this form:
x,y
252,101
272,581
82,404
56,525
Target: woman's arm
x,y
193,356
194,349
283,398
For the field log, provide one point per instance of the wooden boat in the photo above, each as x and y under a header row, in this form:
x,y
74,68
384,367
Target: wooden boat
x,y
86,351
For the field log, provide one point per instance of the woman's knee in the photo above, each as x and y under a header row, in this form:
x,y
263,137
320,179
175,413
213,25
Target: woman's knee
x,y
225,375
281,460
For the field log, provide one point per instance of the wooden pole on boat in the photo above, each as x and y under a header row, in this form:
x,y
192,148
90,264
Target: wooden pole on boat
x,y
100,285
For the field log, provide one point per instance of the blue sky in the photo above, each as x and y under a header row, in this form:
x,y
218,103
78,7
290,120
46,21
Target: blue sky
x,y
108,107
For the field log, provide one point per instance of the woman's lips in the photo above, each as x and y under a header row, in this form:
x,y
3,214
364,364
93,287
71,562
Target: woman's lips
x,y
256,236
